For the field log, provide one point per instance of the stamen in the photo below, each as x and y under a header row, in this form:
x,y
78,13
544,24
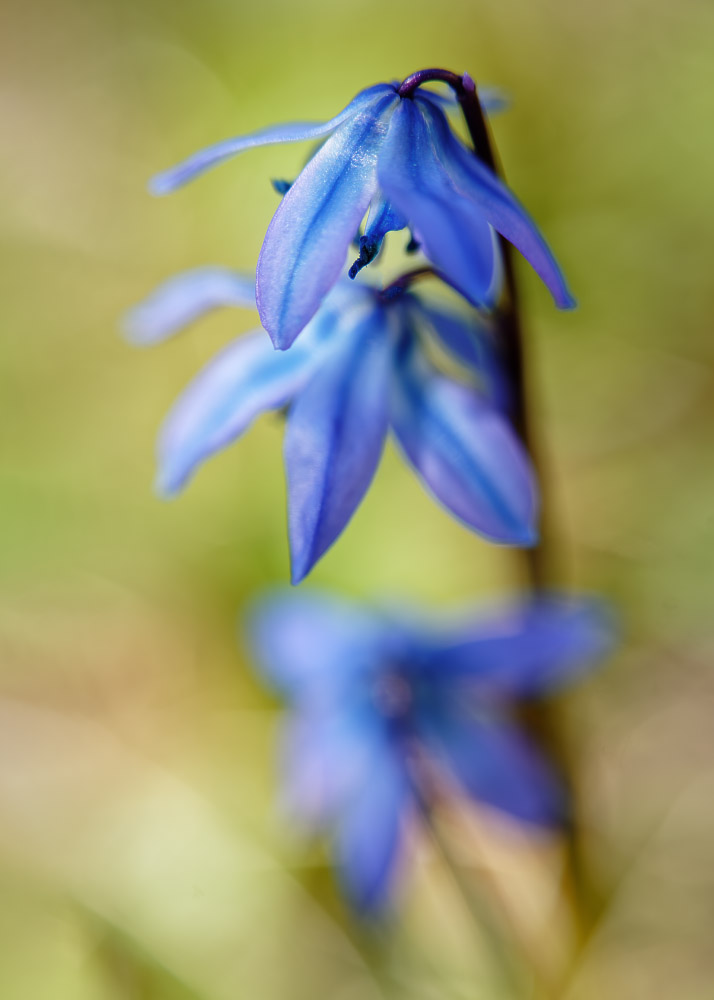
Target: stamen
x,y
368,250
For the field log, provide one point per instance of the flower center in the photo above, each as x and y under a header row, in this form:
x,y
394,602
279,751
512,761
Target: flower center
x,y
392,695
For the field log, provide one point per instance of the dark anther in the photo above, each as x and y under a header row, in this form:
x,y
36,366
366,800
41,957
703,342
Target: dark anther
x,y
282,187
368,250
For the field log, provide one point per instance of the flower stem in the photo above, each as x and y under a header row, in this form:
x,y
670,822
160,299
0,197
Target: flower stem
x,y
400,284
538,560
576,886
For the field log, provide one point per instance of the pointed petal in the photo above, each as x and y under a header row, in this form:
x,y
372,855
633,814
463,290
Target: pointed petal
x,y
383,219
308,239
496,764
183,299
242,381
305,642
334,438
186,171
525,649
502,210
369,835
466,454
451,229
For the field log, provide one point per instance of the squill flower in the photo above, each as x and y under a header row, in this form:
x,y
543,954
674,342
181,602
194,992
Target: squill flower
x,y
359,369
375,696
396,155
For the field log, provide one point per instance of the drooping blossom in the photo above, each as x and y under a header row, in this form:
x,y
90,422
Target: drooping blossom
x,y
398,158
360,369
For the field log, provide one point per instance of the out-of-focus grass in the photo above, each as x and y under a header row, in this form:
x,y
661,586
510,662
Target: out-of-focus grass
x,y
140,854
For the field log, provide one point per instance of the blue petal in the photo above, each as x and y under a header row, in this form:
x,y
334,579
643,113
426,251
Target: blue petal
x,y
183,299
307,642
383,219
369,833
525,649
242,381
308,239
466,454
184,172
334,438
502,210
496,764
451,229
327,755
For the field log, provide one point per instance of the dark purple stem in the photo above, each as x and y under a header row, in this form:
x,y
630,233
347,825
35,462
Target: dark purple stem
x,y
403,282
508,320
508,324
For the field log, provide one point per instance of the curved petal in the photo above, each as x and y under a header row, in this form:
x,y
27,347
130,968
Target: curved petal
x,y
496,764
369,834
183,299
502,210
334,439
452,230
305,642
307,241
466,454
243,380
525,649
187,170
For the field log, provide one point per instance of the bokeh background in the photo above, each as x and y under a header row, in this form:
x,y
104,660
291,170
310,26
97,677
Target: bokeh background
x,y
141,851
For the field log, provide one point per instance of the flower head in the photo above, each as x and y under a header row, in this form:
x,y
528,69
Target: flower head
x,y
395,154
359,369
372,693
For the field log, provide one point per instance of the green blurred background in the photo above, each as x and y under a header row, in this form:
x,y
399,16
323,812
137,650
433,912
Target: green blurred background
x,y
141,852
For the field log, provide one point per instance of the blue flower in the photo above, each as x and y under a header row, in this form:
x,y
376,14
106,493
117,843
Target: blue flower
x,y
398,157
377,698
359,369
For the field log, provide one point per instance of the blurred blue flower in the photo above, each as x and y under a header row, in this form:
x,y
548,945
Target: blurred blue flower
x,y
399,158
359,368
378,700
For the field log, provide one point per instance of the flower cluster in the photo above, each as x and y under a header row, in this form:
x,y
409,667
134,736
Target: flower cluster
x,y
360,365
379,699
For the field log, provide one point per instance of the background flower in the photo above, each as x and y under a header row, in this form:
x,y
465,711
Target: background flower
x,y
375,697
